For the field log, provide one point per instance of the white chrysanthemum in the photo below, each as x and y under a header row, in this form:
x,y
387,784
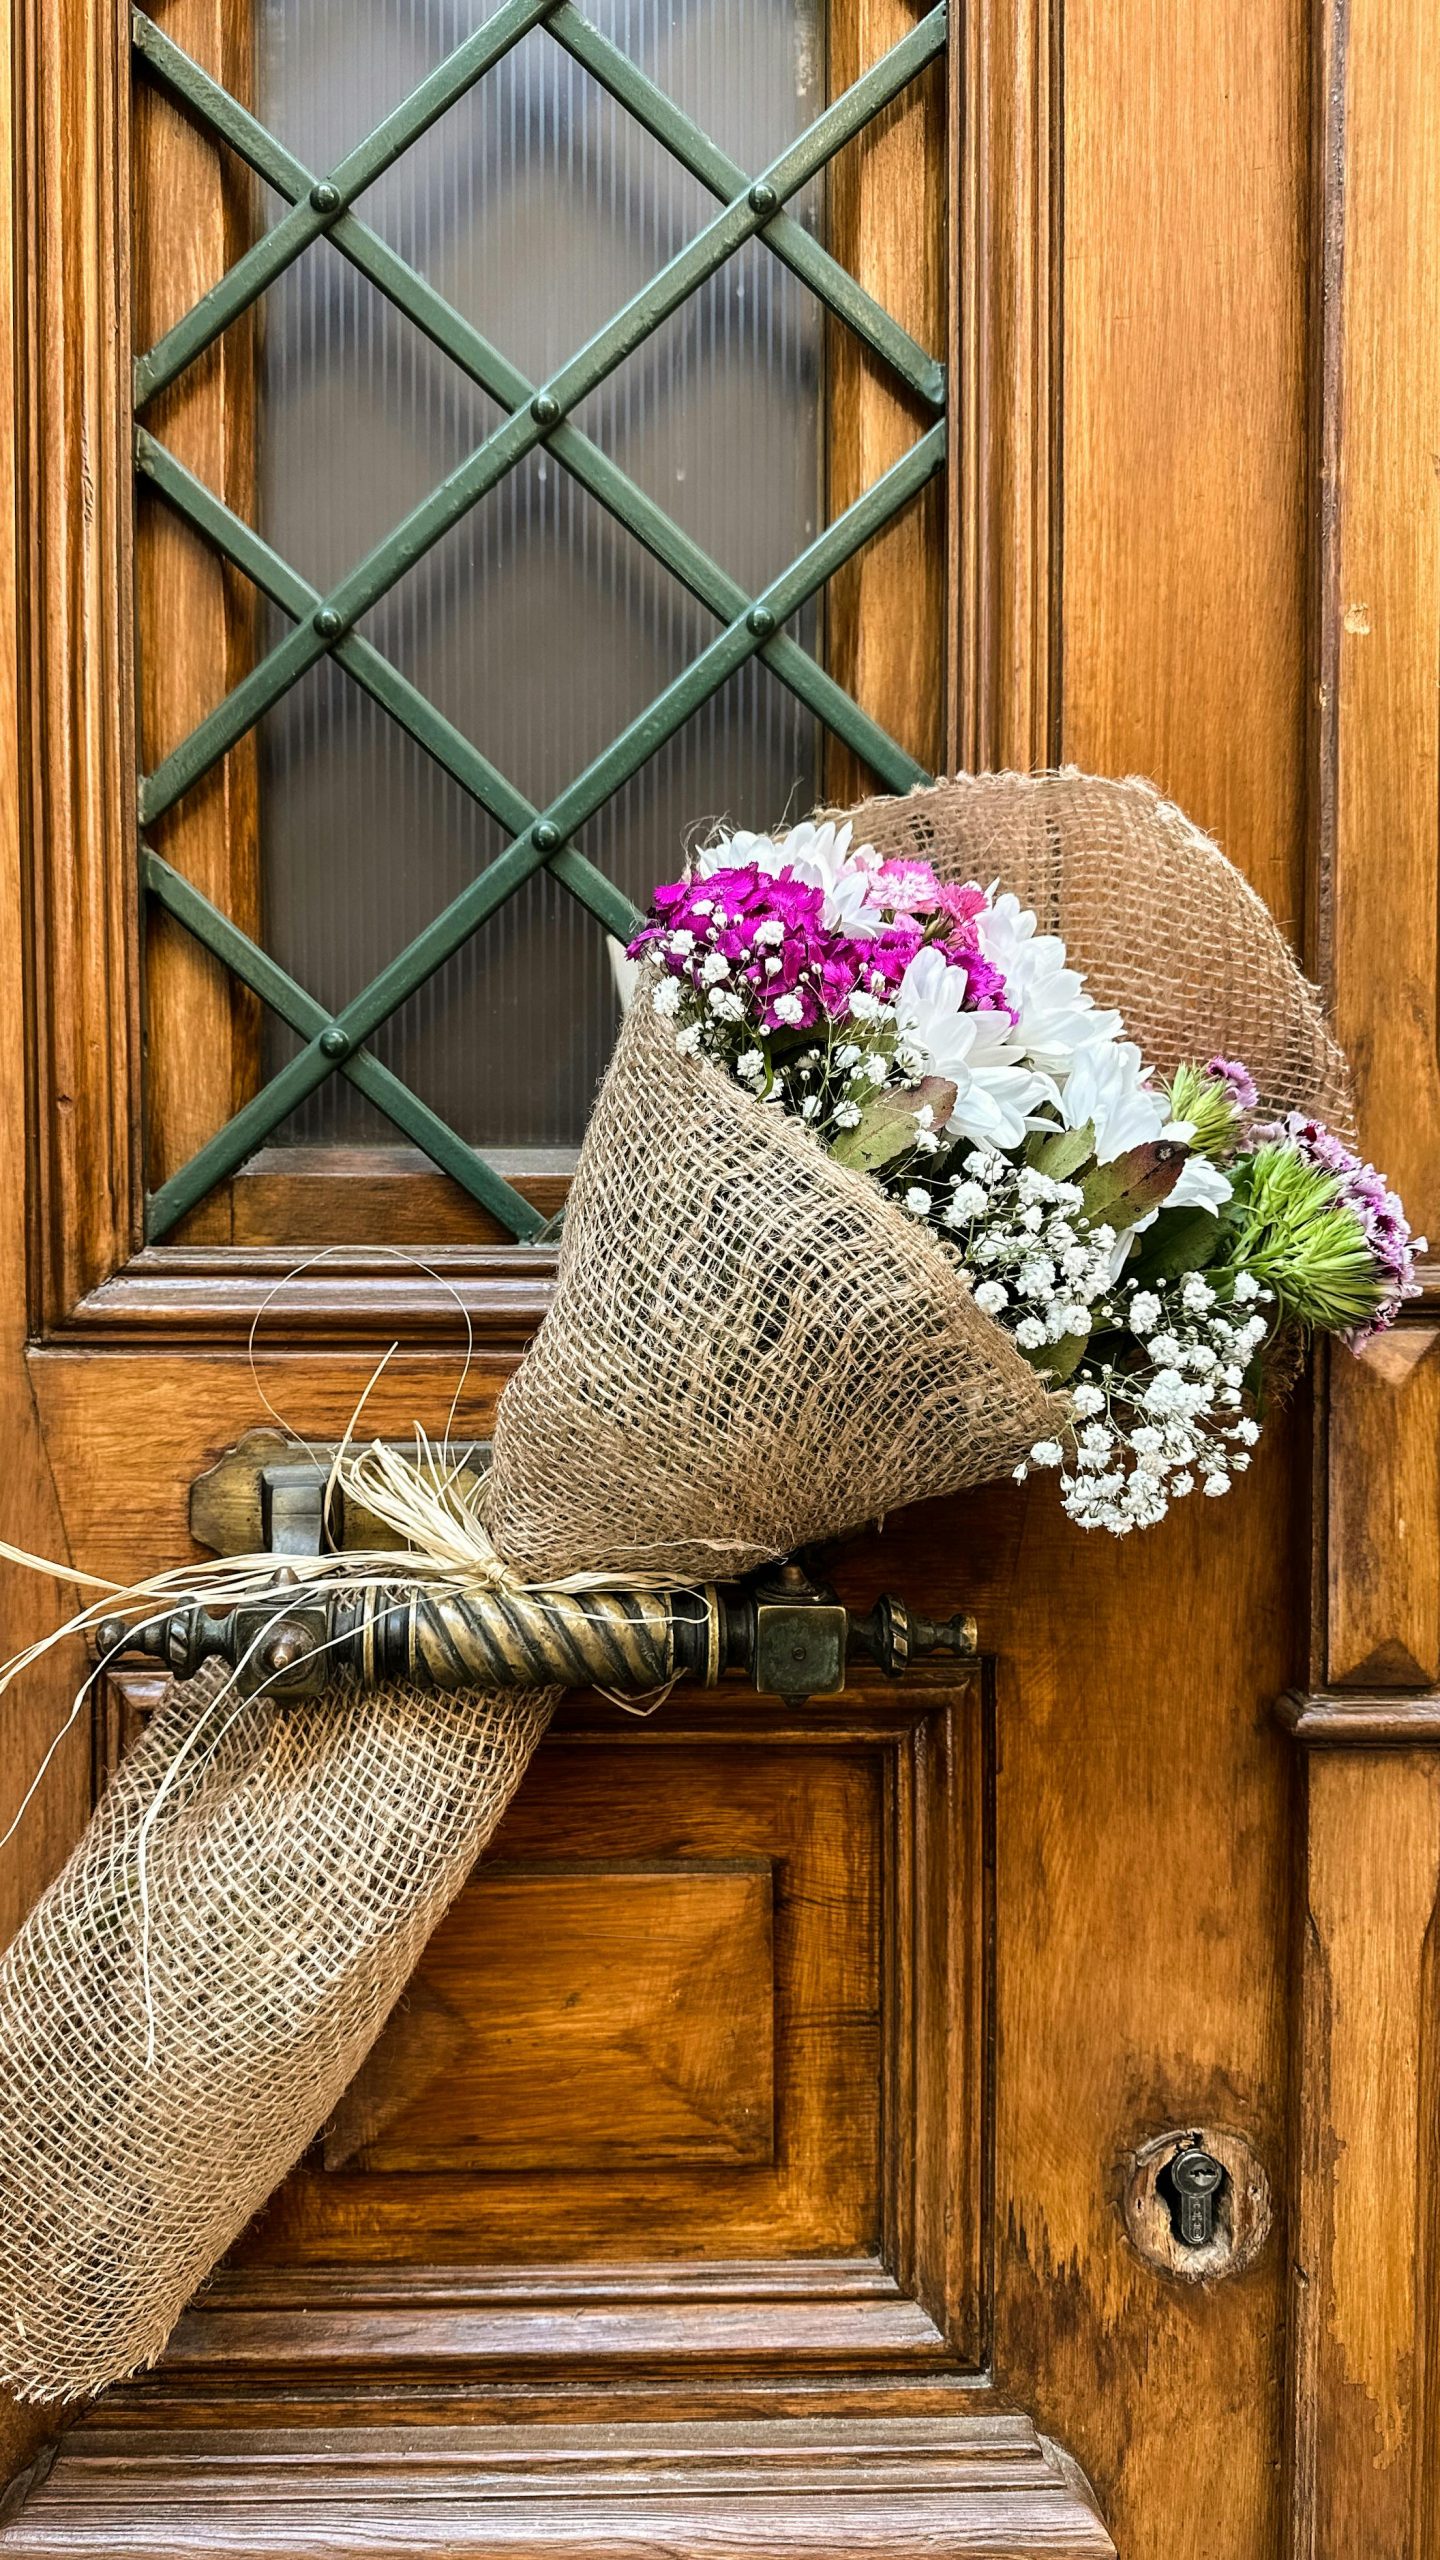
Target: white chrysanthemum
x,y
1099,1075
1058,1014
822,856
1202,1185
981,1054
1107,1087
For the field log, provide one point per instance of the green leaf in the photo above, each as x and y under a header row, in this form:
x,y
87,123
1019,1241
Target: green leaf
x,y
1117,1194
1181,1240
889,1123
1062,1155
1059,1361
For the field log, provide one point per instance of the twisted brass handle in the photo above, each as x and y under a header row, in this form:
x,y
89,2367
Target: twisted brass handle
x,y
791,1637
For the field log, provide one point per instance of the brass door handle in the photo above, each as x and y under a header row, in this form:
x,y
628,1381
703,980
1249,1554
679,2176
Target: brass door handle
x,y
787,1634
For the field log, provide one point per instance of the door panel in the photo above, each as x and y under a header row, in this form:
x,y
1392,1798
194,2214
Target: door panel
x,y
707,2030
850,2025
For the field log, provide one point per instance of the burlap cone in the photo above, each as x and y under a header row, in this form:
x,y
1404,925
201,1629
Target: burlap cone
x,y
750,1348
296,1869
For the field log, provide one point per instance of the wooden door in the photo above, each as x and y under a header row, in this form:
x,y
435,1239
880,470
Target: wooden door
x,y
768,2153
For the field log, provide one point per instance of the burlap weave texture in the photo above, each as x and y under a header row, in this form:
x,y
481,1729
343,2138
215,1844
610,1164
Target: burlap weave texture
x,y
297,1866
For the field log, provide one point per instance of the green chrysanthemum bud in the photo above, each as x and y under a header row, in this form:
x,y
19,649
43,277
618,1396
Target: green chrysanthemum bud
x,y
1208,1104
1299,1237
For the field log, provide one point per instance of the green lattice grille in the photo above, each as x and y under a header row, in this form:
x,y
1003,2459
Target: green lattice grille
x,y
539,413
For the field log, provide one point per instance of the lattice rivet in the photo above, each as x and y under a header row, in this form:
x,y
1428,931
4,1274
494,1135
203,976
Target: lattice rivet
x,y
763,198
324,197
329,623
760,620
334,1043
545,409
547,835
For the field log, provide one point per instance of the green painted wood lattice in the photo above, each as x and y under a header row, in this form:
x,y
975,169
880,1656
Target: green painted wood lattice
x,y
537,413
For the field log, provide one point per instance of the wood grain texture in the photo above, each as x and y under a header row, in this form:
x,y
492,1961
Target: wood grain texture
x,y
1366,2266
298,1196
1380,582
1357,1720
580,2015
865,1813
172,1299
1185,416
885,219
29,1606
126,1435
1130,1896
1003,484
588,2329
195,211
977,2484
607,1789
1377,785
1363,2447
72,741
1144,1807
1383,1471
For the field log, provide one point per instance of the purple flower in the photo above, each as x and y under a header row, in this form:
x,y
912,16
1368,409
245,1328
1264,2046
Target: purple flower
x,y
1377,1210
759,936
1233,1072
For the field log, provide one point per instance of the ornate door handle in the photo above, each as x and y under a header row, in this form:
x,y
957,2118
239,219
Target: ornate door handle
x,y
789,1635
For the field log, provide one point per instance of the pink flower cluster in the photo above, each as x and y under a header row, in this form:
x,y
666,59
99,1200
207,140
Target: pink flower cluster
x,y
762,945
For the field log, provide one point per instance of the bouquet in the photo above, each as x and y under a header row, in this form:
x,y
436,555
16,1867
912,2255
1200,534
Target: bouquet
x,y
1147,1243
921,1163
898,1182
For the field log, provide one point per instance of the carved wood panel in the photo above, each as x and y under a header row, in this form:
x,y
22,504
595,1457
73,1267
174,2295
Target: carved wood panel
x,y
581,2014
692,2077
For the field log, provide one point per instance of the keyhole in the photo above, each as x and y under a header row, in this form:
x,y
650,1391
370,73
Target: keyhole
x,y
1193,2185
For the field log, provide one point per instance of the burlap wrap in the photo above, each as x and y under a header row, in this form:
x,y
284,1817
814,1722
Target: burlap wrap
x,y
298,1864
750,1348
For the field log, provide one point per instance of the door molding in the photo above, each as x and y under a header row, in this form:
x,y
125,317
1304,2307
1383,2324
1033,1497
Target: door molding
x,y
978,2481
90,1277
1006,339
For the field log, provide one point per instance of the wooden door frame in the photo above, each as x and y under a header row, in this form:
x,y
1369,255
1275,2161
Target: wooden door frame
x,y
1365,2333
90,1276
1366,2298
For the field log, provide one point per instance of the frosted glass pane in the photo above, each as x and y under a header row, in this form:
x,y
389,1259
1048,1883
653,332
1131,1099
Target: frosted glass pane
x,y
538,626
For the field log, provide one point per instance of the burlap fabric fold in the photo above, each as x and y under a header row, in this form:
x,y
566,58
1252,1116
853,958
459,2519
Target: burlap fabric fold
x,y
750,1348
298,1863
1163,925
